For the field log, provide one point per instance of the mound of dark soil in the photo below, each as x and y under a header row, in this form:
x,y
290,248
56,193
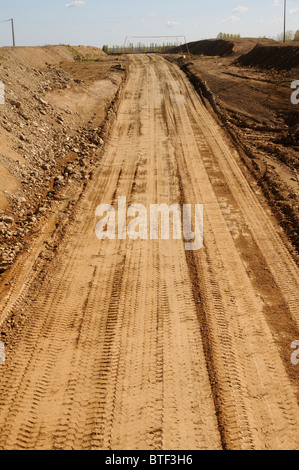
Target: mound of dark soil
x,y
207,47
221,47
278,57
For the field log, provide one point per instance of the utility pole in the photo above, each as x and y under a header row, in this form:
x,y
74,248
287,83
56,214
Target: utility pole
x,y
13,32
285,20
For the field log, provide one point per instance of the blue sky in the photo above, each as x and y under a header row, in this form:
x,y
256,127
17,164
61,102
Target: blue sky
x,y
98,22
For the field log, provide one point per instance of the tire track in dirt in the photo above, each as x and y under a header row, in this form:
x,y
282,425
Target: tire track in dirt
x,y
136,344
240,378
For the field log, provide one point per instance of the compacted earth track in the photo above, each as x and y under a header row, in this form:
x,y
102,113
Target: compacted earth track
x,y
141,344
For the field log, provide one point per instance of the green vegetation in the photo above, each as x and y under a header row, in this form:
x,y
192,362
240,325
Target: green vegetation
x,y
81,57
140,48
290,36
75,53
228,36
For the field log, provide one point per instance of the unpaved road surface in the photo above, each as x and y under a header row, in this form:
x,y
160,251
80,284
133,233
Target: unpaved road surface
x,y
140,344
255,107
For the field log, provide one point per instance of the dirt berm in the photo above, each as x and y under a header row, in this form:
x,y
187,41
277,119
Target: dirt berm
x,y
221,47
56,101
278,57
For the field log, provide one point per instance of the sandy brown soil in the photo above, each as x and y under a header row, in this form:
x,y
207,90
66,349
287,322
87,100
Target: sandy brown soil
x,y
50,127
254,107
139,344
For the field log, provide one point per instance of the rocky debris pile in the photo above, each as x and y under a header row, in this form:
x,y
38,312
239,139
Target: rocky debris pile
x,y
43,179
51,153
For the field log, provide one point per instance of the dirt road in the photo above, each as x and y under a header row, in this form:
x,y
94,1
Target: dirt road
x,y
140,344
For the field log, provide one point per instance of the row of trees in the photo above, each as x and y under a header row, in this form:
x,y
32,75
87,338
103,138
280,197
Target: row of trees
x,y
290,36
140,48
155,47
228,36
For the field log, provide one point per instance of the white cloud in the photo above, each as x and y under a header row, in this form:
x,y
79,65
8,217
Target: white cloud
x,y
146,18
294,10
171,24
275,3
75,4
276,20
240,9
231,19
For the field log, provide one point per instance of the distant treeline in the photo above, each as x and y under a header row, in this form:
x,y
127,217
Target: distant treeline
x,y
290,36
228,36
140,48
